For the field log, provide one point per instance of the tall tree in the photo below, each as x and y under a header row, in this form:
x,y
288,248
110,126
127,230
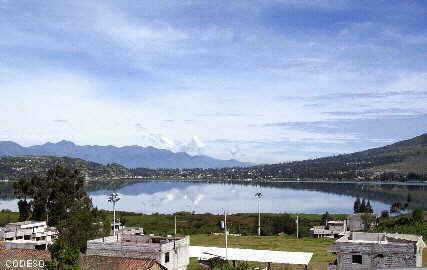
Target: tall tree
x,y
80,225
362,208
369,208
326,217
60,198
63,256
22,190
356,207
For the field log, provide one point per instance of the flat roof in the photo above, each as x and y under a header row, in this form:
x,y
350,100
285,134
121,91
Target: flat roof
x,y
252,255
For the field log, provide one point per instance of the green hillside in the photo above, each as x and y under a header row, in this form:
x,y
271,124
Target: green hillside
x,y
405,160
14,167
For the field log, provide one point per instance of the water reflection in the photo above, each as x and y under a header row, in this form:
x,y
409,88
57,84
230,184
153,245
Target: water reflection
x,y
293,197
169,197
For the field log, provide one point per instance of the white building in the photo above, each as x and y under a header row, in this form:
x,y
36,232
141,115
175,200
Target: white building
x,y
169,252
28,235
332,229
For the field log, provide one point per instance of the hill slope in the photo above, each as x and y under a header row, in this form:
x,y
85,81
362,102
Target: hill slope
x,y
398,161
15,167
128,156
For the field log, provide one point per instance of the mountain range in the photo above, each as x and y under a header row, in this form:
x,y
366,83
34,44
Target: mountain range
x,y
129,156
404,160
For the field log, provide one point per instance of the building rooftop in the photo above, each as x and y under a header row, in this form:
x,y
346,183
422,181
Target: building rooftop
x,y
27,224
89,262
16,253
251,255
382,238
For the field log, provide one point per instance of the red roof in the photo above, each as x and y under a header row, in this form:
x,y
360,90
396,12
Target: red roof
x,y
17,253
93,262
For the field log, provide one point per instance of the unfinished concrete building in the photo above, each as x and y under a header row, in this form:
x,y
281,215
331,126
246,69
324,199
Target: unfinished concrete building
x,y
170,252
332,229
338,228
359,250
28,235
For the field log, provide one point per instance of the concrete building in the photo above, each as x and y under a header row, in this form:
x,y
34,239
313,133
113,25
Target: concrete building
x,y
28,235
22,258
359,250
356,222
170,252
337,228
332,229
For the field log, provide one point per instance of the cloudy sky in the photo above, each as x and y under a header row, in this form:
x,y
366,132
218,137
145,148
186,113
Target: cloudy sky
x,y
259,81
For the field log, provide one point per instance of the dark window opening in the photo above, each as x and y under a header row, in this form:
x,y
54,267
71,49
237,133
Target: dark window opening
x,y
166,257
27,237
40,247
356,259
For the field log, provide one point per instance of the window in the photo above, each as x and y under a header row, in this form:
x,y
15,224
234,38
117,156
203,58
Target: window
x,y
166,257
356,259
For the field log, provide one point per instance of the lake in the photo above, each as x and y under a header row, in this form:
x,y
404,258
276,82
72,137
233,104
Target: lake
x,y
239,197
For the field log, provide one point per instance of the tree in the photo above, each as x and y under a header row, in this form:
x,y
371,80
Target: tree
x,y
385,214
41,190
67,187
60,198
369,208
80,224
418,215
362,208
356,207
63,256
326,217
367,220
24,210
22,190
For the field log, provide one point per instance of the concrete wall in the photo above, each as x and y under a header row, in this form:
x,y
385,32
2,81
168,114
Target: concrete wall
x,y
374,255
178,251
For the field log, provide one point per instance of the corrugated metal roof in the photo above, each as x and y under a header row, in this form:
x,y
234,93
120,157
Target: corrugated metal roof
x,y
251,255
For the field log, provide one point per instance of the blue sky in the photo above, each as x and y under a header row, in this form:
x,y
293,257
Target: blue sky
x,y
259,81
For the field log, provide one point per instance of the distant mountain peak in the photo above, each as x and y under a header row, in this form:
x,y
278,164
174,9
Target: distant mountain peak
x,y
64,143
133,156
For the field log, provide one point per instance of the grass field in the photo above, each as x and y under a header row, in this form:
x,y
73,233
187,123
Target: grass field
x,y
319,247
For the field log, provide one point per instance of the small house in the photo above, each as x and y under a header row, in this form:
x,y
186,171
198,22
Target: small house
x,y
359,250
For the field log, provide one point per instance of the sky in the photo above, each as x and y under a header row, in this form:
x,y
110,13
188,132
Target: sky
x,y
258,81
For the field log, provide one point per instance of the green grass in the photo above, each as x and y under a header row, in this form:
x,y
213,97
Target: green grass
x,y
319,247
7,216
189,223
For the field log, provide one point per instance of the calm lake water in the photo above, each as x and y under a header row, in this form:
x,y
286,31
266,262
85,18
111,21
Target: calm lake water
x,y
291,197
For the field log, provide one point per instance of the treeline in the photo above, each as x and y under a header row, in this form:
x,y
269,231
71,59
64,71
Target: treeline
x,y
362,206
413,223
302,170
245,224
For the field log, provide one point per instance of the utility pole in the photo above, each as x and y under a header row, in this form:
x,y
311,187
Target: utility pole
x,y
297,226
226,235
114,198
175,223
259,195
